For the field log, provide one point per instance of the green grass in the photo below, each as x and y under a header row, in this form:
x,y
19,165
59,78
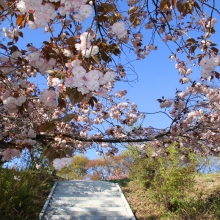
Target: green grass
x,y
23,199
203,203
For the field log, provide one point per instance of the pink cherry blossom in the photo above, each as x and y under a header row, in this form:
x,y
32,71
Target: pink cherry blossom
x,y
119,29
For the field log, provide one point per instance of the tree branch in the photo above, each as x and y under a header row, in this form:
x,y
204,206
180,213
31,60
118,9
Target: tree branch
x,y
42,137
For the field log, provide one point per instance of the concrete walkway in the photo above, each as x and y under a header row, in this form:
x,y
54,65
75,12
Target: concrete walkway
x,y
86,200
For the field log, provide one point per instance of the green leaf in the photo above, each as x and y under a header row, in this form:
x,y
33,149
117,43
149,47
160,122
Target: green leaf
x,y
133,9
50,71
74,95
47,126
108,7
68,117
96,59
189,7
180,6
102,18
44,127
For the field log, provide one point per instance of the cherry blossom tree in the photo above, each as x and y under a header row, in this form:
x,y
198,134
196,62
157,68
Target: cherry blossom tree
x,y
79,109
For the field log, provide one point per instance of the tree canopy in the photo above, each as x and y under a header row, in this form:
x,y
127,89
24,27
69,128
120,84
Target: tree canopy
x,y
81,63
76,170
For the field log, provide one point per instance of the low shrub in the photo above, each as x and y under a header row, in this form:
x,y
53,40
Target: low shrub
x,y
23,193
167,177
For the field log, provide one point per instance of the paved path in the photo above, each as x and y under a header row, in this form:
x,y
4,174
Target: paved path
x,y
86,200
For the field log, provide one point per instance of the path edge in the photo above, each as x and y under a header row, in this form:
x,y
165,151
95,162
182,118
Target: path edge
x,y
47,202
131,214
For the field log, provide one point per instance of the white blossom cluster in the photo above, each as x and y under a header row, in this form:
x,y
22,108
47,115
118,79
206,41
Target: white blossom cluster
x,y
118,28
86,82
209,65
166,104
28,133
11,104
61,163
85,46
42,64
42,13
48,97
68,6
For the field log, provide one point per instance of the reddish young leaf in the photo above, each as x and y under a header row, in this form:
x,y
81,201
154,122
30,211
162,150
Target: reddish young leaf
x,y
20,18
163,4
